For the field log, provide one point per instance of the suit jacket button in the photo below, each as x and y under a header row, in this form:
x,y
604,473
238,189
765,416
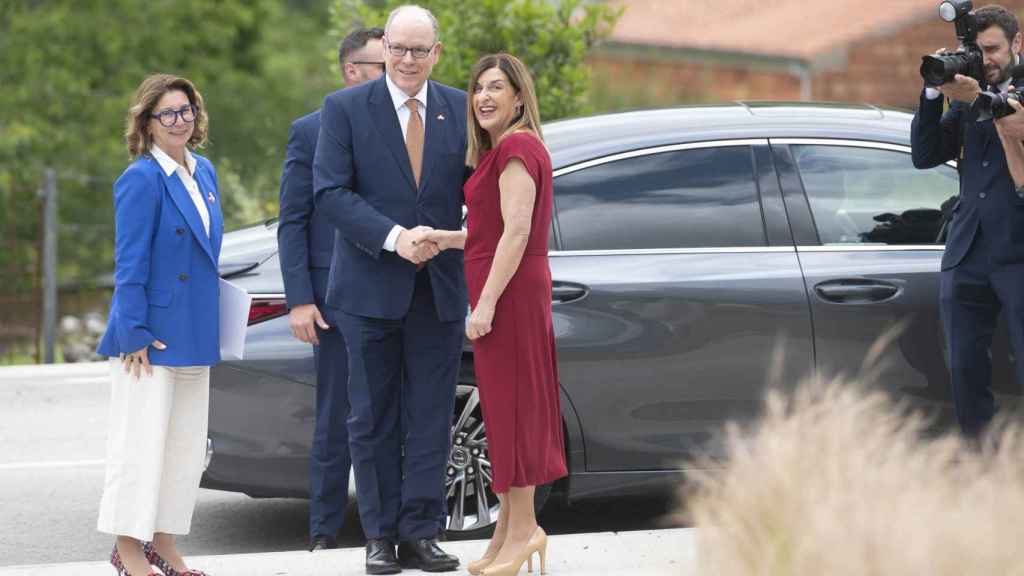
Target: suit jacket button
x,y
179,231
982,195
985,164
183,277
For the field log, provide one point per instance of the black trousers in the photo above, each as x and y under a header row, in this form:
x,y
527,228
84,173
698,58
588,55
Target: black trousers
x,y
402,377
972,294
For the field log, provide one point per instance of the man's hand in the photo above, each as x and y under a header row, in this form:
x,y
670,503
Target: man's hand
x,y
1012,126
962,88
414,246
303,320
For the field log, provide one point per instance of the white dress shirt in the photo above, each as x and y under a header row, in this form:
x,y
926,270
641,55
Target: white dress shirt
x,y
400,100
171,166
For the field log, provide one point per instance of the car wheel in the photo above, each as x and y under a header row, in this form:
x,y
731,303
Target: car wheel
x,y
472,504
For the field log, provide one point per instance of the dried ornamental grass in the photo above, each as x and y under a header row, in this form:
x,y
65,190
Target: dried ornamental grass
x,y
838,480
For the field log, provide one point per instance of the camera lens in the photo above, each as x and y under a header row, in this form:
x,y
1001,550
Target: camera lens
x,y
937,70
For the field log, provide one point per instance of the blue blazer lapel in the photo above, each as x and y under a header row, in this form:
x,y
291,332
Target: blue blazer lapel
x,y
385,119
183,201
439,117
208,188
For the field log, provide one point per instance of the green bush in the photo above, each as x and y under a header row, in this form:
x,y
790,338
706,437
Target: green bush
x,y
69,69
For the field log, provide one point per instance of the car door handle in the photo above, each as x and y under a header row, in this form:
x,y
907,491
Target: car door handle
x,y
856,291
562,292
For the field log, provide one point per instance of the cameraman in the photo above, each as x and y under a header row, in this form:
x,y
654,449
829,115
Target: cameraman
x,y
983,263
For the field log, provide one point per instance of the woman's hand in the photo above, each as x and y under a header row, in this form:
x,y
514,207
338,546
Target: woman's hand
x,y
440,237
447,239
138,361
479,323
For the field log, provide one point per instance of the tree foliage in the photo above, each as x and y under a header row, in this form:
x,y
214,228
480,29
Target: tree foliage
x,y
69,69
551,37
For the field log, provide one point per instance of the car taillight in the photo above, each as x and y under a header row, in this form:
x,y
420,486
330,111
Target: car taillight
x,y
262,310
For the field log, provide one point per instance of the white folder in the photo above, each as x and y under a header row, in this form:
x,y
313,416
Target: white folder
x,y
234,320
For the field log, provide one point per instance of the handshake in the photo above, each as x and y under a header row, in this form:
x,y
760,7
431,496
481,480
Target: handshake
x,y
423,243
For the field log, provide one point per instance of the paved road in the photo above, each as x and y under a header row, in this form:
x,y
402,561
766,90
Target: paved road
x,y
52,431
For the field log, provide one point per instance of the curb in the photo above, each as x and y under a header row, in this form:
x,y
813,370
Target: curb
x,y
32,372
670,552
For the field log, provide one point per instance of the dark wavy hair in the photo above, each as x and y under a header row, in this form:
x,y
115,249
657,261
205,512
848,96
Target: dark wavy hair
x,y
996,15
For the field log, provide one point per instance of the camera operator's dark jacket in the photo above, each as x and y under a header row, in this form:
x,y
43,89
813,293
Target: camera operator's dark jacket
x,y
988,197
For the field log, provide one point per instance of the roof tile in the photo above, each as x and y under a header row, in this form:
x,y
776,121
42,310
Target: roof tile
x,y
798,29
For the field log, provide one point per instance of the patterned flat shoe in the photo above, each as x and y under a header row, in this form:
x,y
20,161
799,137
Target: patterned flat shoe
x,y
165,566
115,561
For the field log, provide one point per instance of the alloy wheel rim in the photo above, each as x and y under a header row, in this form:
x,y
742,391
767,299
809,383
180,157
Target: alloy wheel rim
x,y
472,504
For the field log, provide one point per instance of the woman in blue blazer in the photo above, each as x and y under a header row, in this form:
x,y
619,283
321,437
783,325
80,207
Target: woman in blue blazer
x,y
162,334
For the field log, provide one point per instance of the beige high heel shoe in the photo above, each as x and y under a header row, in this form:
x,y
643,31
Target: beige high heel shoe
x,y
538,543
477,567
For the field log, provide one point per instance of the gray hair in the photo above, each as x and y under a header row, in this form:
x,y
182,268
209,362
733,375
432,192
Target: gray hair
x,y
413,7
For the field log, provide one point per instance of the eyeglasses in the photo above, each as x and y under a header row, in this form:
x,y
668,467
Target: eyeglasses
x,y
168,118
418,52
381,64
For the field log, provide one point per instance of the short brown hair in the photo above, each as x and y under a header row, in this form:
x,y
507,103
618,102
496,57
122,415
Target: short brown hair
x,y
355,41
995,15
147,96
528,118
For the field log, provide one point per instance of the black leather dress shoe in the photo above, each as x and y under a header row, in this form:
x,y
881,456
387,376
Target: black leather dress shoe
x,y
380,557
322,543
426,555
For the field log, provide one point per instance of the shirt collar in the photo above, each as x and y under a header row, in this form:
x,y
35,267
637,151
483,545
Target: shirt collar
x,y
168,164
399,98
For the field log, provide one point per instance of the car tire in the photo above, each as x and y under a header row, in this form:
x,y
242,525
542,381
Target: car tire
x,y
473,506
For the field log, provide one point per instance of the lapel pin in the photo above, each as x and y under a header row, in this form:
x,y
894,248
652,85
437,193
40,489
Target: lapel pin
x,y
440,116
209,196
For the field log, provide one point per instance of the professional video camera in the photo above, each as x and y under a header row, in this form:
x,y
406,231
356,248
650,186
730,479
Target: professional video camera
x,y
937,69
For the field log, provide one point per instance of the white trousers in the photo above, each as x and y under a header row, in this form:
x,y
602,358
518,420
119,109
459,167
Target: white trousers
x,y
156,445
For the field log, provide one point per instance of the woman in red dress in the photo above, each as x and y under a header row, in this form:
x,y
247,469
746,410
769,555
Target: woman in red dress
x,y
506,243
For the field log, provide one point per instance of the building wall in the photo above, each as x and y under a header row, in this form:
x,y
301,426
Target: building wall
x,y
882,70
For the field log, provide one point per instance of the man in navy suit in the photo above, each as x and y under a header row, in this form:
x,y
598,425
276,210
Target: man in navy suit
x,y
983,264
305,243
390,164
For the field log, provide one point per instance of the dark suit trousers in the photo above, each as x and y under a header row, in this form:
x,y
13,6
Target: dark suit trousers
x,y
971,297
402,394
329,462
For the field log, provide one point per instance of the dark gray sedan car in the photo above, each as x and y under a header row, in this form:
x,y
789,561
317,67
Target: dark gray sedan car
x,y
687,245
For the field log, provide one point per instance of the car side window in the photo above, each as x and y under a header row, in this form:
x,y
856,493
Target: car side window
x,y
695,198
872,196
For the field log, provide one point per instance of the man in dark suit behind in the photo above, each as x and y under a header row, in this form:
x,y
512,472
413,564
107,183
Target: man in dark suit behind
x,y
389,166
305,244
983,263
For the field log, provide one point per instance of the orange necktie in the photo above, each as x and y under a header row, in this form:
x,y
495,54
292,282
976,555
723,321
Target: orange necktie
x,y
414,139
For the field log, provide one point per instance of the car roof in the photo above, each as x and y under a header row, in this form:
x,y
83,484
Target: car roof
x,y
581,139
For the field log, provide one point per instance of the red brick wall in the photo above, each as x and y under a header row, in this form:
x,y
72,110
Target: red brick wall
x,y
879,70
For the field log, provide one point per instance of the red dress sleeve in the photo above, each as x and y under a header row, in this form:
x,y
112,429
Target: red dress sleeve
x,y
524,146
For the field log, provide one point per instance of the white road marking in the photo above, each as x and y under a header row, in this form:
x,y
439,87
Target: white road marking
x,y
52,465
